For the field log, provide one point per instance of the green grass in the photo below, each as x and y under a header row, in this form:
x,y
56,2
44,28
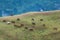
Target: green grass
x,y
9,32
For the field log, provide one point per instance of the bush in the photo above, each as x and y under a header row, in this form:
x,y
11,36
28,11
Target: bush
x,y
33,26
17,26
4,20
12,21
55,28
32,19
41,19
18,19
26,27
21,24
33,23
44,25
31,29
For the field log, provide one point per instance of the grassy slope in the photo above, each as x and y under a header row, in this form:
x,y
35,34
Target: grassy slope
x,y
52,20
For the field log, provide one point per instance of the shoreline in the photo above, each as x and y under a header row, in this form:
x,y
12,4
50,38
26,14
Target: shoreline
x,y
24,14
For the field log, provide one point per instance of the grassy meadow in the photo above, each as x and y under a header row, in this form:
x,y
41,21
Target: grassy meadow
x,y
34,26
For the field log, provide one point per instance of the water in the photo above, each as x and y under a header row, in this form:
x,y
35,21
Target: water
x,y
8,7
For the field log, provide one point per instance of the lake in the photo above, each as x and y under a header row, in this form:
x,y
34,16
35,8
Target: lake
x,y
15,7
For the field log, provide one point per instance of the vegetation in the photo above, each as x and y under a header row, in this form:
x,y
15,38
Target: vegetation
x,y
32,27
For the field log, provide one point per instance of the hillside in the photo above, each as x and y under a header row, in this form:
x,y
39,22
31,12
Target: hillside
x,y
31,26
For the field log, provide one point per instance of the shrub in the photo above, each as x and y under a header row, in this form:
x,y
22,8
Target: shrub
x,y
55,28
31,29
21,24
33,23
18,19
33,26
12,21
44,25
41,19
32,19
17,26
26,27
4,20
